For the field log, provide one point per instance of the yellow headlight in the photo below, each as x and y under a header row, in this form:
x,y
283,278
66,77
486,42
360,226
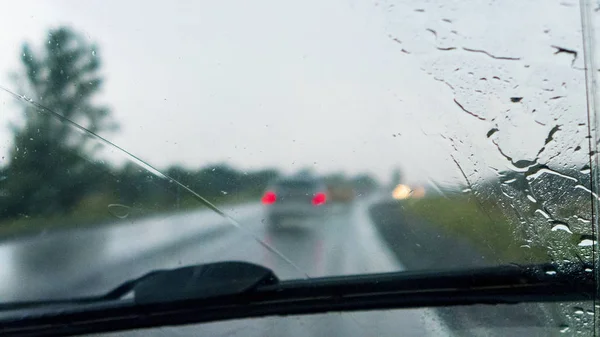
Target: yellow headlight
x,y
401,192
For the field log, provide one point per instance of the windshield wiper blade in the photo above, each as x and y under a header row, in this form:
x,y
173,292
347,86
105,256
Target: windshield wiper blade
x,y
234,290
185,283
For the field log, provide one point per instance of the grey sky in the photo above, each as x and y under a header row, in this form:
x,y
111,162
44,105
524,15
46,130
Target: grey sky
x,y
324,83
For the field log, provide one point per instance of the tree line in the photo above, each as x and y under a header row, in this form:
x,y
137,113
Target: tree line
x,y
49,171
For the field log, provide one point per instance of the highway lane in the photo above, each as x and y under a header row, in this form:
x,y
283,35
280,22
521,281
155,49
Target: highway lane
x,y
90,262
41,266
87,262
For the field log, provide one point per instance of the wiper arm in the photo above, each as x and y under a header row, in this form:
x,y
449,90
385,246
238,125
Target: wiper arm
x,y
234,290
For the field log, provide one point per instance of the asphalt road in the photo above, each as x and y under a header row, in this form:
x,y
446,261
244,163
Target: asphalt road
x,y
87,262
421,245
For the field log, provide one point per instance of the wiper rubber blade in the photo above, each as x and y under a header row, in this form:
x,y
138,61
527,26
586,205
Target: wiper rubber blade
x,y
186,283
236,290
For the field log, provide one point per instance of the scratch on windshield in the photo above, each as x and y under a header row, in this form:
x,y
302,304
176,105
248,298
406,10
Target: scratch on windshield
x,y
123,210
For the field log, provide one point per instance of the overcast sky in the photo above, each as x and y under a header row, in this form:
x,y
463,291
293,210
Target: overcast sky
x,y
339,85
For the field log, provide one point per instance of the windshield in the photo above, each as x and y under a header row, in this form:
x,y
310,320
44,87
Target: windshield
x,y
314,138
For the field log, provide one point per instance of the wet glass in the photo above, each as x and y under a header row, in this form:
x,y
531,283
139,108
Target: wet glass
x,y
447,135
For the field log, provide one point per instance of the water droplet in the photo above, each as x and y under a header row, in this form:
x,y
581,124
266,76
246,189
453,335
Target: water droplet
x,y
223,192
551,272
491,132
586,243
531,198
564,329
583,220
93,53
507,191
118,210
542,169
578,311
562,227
543,213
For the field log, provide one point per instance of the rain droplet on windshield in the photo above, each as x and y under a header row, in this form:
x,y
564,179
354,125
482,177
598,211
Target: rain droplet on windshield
x,y
118,210
586,243
491,132
562,227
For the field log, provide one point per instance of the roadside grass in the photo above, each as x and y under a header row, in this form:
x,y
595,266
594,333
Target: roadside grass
x,y
485,226
95,211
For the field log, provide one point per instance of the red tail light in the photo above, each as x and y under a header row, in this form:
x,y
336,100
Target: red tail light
x,y
319,199
269,198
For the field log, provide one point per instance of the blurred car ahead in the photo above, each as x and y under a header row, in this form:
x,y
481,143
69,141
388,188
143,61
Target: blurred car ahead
x,y
294,201
341,193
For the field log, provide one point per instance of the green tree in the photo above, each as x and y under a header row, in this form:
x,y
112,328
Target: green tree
x,y
337,178
396,178
47,171
364,183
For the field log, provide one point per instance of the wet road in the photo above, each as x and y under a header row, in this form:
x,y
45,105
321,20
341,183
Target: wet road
x,y
89,262
347,241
